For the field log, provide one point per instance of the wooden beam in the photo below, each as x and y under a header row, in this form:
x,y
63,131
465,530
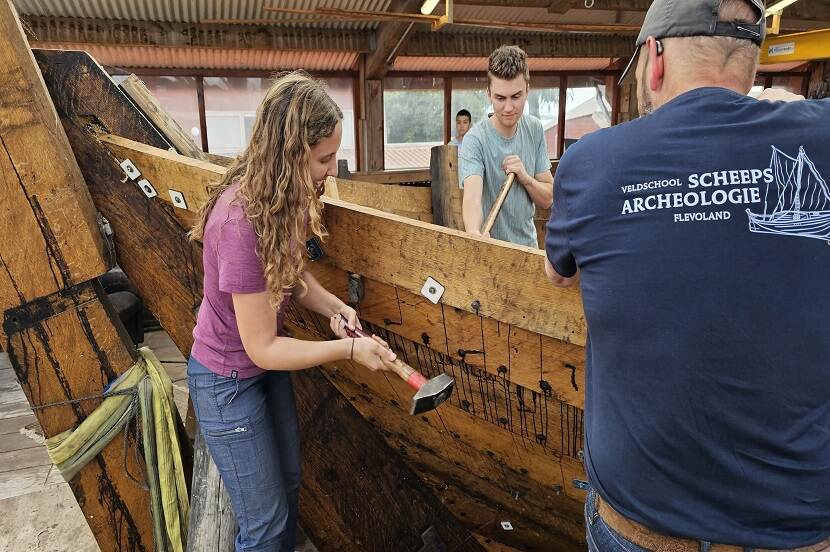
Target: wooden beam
x,y
62,336
374,126
165,34
536,45
447,195
390,38
152,109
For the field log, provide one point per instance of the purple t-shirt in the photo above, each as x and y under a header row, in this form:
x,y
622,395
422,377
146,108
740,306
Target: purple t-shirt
x,y
230,266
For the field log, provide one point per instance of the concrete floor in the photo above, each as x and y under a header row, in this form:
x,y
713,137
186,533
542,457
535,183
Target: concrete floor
x,y
38,512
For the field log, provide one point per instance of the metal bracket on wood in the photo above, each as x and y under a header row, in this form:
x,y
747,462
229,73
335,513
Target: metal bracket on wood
x,y
178,199
432,290
129,169
147,188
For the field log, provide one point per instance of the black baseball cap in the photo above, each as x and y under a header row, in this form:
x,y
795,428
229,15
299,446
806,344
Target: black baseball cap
x,y
677,18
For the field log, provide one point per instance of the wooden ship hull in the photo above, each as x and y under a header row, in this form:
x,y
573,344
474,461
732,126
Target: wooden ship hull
x,y
490,469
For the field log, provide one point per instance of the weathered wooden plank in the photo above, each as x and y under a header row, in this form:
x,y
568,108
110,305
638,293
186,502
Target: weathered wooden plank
x,y
17,459
23,481
447,195
12,424
507,280
403,176
44,198
212,524
407,201
152,109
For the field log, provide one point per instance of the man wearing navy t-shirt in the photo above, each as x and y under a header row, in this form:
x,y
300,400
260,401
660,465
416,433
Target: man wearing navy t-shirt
x,y
701,235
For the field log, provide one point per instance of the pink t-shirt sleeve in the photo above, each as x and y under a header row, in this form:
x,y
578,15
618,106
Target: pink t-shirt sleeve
x,y
238,265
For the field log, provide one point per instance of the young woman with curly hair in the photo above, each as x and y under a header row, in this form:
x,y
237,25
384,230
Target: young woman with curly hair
x,y
253,227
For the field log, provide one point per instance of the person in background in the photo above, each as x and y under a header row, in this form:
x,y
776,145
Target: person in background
x,y
508,142
463,122
253,228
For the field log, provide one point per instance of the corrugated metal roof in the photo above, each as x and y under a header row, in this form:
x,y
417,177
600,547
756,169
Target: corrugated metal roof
x,y
479,64
211,58
196,11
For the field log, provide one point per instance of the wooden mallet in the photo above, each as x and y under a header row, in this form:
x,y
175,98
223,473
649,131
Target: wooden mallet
x,y
430,393
494,210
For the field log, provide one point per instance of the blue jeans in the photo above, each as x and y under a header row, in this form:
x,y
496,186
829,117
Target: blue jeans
x,y
250,428
602,538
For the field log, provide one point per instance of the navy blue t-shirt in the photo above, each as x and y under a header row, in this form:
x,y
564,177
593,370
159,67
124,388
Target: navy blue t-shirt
x,y
702,237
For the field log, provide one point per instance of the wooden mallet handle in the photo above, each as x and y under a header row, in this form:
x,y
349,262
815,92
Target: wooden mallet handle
x,y
494,210
410,375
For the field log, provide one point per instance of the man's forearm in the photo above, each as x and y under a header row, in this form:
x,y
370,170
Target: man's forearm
x,y
473,217
540,192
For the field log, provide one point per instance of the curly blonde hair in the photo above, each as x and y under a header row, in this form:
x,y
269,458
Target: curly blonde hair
x,y
276,190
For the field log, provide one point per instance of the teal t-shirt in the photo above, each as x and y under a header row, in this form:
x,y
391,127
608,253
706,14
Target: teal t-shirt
x,y
482,153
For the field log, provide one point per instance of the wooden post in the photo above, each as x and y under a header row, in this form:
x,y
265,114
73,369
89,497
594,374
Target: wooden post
x,y
819,85
374,125
343,169
447,195
63,339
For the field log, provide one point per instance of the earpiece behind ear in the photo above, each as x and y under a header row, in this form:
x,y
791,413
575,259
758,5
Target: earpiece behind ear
x,y
659,47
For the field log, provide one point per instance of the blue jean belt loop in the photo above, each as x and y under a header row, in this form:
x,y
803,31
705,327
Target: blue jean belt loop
x,y
705,546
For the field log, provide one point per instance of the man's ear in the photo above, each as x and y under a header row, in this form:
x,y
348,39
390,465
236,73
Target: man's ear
x,y
656,69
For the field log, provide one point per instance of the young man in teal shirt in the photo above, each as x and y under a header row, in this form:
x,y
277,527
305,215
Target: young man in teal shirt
x,y
509,141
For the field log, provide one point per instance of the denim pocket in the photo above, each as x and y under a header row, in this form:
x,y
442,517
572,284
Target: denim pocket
x,y
240,430
225,390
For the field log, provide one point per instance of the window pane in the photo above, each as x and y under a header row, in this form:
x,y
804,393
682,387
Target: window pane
x,y
231,104
413,113
587,107
225,133
543,103
341,91
177,95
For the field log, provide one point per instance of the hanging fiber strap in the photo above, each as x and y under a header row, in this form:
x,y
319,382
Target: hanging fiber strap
x,y
145,387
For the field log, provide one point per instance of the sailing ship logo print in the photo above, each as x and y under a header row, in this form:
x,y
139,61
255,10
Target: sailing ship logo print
x,y
796,202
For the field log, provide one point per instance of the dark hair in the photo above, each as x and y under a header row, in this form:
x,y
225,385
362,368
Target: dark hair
x,y
506,63
464,113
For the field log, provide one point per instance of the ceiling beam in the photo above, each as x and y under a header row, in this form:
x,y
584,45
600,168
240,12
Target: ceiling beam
x,y
150,33
390,38
565,45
